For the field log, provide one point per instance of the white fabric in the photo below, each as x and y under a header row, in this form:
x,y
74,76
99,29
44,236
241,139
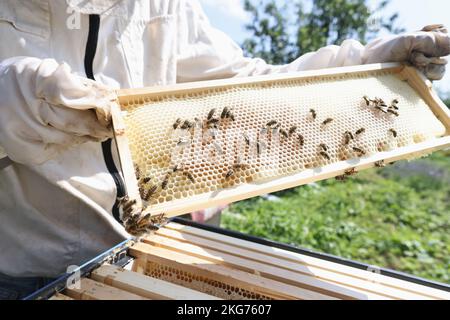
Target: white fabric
x,y
56,200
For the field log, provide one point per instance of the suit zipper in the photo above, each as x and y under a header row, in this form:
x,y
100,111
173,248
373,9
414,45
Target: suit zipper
x,y
91,49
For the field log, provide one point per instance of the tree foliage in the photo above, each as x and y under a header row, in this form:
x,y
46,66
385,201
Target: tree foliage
x,y
282,31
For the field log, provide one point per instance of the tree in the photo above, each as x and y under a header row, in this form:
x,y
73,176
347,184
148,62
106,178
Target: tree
x,y
282,32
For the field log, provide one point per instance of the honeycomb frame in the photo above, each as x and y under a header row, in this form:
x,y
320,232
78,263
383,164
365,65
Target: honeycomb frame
x,y
160,105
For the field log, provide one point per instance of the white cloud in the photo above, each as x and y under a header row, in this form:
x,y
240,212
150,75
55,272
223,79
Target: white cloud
x,y
233,8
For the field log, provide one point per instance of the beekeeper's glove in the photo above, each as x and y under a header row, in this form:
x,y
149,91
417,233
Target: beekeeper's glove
x,y
45,108
424,49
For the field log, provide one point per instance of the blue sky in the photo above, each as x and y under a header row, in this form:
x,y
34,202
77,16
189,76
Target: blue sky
x,y
229,16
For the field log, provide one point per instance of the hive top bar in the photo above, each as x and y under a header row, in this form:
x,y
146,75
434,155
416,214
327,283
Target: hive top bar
x,y
197,145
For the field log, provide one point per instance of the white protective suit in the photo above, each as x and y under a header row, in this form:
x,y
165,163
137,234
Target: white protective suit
x,y
56,199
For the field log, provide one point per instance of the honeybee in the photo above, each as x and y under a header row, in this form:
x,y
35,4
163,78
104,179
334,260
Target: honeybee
x,y
146,180
176,123
137,171
395,113
229,174
380,109
324,155
292,130
380,164
187,125
301,140
259,147
350,172
165,182
247,139
284,133
152,190
323,146
341,177
271,123
347,137
359,151
176,168
313,113
211,113
327,121
224,113
212,121
360,131
394,133
366,100
189,176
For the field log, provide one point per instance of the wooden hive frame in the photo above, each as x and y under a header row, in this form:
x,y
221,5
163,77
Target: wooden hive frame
x,y
183,262
421,85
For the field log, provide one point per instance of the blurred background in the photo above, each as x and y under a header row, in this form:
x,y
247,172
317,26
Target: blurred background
x,y
396,217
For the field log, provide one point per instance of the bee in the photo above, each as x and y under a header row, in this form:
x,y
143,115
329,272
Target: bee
x,y
187,125
327,121
142,192
380,109
137,171
176,168
224,113
259,147
211,114
128,204
347,137
148,193
341,177
284,133
239,166
292,130
324,155
380,164
229,174
366,100
271,123
350,172
165,182
247,139
313,113
146,180
176,123
359,151
360,131
212,121
395,113
394,133
301,140
323,146
189,176
395,101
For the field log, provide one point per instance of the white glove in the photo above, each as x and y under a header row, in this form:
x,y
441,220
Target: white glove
x,y
424,49
46,109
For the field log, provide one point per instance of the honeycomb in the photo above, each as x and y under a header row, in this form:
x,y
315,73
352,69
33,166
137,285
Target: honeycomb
x,y
200,283
256,142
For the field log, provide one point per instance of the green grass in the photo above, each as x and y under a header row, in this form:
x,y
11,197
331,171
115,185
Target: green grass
x,y
396,217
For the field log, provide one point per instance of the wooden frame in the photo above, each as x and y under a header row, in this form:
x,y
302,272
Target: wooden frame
x,y
240,192
199,264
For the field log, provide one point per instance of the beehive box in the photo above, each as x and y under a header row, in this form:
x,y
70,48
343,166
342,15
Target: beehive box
x,y
184,262
197,145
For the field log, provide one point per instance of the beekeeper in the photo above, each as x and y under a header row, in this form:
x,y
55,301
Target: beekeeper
x,y
60,62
